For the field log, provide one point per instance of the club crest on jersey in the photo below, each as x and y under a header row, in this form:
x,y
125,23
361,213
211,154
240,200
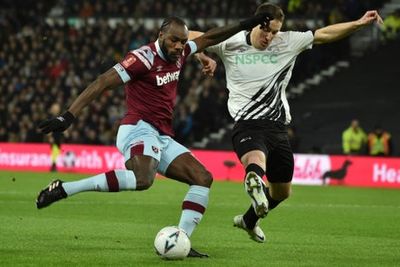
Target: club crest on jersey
x,y
155,149
129,60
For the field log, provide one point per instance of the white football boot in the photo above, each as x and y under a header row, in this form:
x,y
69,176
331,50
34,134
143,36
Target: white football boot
x,y
253,185
256,233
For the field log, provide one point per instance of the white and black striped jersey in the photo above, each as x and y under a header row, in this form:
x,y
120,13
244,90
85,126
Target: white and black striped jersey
x,y
257,79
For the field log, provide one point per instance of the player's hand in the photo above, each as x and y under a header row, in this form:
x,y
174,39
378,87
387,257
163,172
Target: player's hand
x,y
57,124
209,66
370,17
261,19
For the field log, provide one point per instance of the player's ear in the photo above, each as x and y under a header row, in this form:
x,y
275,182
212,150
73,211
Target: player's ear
x,y
160,35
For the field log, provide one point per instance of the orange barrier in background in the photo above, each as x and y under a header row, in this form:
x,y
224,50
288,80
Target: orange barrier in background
x,y
224,165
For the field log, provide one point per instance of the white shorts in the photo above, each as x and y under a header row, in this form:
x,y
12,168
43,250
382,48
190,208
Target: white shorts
x,y
144,139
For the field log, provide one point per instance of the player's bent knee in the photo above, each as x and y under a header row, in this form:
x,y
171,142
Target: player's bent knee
x,y
202,178
144,182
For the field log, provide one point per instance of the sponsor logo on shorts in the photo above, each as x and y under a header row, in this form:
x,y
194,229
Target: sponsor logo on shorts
x,y
245,139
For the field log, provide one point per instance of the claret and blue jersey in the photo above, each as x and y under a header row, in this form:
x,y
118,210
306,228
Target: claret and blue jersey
x,y
151,85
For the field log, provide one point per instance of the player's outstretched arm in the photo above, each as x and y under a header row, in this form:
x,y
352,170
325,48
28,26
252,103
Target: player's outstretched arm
x,y
108,80
338,31
219,34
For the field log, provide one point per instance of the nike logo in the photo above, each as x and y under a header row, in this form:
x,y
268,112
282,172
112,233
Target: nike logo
x,y
245,139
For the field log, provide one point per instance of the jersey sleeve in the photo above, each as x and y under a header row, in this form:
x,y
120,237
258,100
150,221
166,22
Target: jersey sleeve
x,y
134,64
300,41
218,48
191,48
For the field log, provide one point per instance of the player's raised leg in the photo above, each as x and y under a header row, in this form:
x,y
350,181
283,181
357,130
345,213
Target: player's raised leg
x,y
250,150
254,187
279,170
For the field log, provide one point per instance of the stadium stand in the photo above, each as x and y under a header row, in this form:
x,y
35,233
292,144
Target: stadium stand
x,y
50,51
367,90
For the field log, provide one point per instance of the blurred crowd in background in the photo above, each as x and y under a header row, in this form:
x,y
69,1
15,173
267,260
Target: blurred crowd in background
x,y
42,64
309,9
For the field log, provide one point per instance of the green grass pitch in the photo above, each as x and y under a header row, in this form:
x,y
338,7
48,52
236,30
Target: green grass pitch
x,y
317,226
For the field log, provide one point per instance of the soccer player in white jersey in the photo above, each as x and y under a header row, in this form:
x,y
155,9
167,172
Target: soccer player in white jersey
x,y
150,74
258,65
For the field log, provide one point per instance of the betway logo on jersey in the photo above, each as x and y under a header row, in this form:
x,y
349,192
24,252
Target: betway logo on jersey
x,y
167,78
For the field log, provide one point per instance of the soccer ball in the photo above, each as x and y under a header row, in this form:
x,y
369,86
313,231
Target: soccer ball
x,y
172,243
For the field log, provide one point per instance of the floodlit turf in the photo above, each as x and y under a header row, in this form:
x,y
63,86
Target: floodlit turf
x,y
317,226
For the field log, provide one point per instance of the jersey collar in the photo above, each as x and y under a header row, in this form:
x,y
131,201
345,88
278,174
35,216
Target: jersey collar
x,y
159,51
248,41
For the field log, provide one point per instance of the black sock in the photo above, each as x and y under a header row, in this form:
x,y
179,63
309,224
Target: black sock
x,y
250,217
255,168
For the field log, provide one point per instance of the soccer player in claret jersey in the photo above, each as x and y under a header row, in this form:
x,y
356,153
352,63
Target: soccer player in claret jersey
x,y
150,75
258,65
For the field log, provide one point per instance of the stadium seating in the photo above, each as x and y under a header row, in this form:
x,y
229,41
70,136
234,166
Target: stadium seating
x,y
367,90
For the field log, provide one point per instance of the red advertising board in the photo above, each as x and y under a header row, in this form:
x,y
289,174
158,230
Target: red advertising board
x,y
366,171
309,169
96,159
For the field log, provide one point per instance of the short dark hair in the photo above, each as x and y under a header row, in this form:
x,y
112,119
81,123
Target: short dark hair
x,y
171,20
272,9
